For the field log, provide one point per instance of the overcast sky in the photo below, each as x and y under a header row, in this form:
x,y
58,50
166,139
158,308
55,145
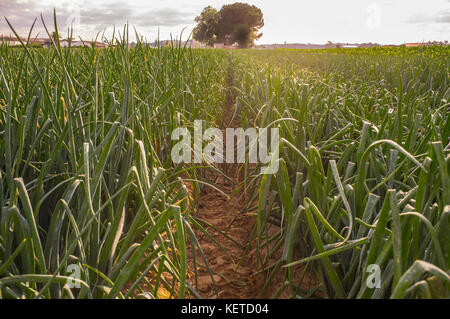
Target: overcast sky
x,y
305,21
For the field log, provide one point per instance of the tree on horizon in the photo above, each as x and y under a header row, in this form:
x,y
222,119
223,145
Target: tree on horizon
x,y
206,26
235,23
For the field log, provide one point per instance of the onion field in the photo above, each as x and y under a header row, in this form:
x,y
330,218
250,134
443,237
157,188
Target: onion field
x,y
92,205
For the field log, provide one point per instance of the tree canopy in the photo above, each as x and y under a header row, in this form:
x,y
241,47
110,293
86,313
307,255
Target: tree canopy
x,y
206,26
235,23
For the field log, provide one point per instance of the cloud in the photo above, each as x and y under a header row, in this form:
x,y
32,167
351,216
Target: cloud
x,y
86,16
119,13
444,17
21,14
439,17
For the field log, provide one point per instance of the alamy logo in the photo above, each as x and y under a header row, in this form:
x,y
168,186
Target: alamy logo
x,y
255,141
374,278
74,272
73,20
373,17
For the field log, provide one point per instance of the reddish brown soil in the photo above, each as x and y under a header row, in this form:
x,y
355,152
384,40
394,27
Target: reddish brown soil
x,y
231,281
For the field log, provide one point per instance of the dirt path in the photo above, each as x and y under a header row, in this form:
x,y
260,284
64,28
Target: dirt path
x,y
235,268
220,211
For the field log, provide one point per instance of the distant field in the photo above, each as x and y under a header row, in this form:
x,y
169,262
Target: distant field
x,y
87,179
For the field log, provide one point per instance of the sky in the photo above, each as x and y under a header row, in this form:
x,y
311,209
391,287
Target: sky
x,y
291,21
